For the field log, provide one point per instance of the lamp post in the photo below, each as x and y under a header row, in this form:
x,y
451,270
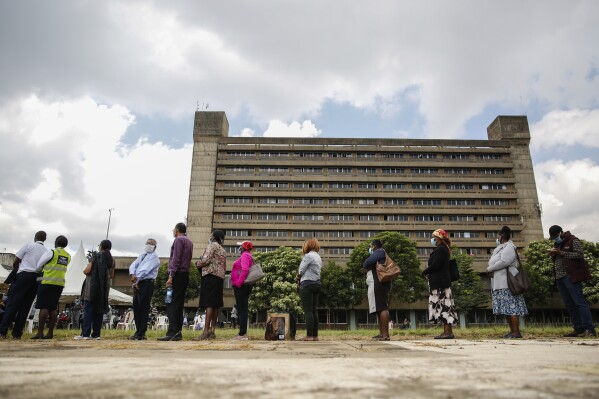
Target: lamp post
x,y
109,215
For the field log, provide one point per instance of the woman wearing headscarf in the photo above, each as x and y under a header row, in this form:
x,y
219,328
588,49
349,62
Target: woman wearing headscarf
x,y
309,276
504,260
441,308
95,291
242,292
212,264
378,293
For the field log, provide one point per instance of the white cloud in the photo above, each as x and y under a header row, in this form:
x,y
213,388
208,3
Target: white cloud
x,y
247,132
67,168
265,60
277,128
569,193
567,128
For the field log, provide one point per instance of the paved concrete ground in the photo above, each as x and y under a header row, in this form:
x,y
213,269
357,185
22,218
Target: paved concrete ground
x,y
326,369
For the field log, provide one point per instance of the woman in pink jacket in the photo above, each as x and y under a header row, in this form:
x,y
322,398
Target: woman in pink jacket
x,y
240,270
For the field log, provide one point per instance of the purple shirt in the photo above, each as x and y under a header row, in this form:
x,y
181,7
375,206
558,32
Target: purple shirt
x,y
181,252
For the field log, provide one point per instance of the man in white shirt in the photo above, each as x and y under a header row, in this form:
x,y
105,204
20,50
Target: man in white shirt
x,y
143,272
24,288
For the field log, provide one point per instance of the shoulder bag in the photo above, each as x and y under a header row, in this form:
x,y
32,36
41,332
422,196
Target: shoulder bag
x,y
255,274
520,283
388,271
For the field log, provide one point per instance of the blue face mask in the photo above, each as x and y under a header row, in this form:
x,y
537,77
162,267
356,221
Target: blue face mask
x,y
433,242
370,250
558,240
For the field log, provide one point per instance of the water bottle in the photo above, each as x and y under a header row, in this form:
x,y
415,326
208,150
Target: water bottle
x,y
169,295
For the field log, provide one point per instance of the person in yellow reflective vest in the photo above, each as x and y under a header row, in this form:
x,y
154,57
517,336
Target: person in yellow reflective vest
x,y
54,265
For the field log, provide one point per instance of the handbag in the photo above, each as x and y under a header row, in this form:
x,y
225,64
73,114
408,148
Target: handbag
x,y
388,271
520,283
454,272
255,274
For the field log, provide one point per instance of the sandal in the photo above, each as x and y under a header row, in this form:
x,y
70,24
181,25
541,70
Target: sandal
x,y
381,338
449,336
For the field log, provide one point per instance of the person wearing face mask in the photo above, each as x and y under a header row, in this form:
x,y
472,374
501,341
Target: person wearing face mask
x,y
212,264
570,271
143,272
378,293
505,260
441,308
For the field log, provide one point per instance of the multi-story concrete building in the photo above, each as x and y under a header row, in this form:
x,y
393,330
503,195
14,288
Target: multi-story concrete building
x,y
281,191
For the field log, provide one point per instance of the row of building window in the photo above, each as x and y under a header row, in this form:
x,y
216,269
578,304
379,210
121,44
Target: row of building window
x,y
418,171
350,234
348,201
369,218
370,186
233,249
338,154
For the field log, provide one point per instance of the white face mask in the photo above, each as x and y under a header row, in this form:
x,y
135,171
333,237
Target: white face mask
x,y
149,248
497,242
370,250
433,242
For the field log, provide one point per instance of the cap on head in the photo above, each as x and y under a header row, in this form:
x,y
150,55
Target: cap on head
x,y
554,231
247,245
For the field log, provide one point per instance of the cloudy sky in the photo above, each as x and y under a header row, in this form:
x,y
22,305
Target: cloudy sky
x,y
97,98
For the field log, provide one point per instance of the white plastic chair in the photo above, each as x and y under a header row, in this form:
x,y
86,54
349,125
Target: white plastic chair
x,y
35,320
161,323
127,322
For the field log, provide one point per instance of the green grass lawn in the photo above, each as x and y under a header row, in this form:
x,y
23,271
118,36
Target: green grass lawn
x,y
362,334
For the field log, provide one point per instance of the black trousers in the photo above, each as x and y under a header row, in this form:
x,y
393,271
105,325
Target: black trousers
x,y
309,297
20,298
242,297
142,298
174,310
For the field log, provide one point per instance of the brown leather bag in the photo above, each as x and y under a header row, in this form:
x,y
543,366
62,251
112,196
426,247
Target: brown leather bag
x,y
388,271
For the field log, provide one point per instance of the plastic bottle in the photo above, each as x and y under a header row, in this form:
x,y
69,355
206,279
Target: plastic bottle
x,y
169,295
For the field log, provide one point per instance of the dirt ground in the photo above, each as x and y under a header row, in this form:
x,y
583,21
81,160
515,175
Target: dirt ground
x,y
326,369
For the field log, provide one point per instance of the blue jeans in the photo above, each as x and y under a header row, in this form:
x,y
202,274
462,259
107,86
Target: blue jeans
x,y
91,319
577,305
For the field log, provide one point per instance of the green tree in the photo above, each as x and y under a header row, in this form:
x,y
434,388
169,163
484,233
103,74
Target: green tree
x,y
539,267
468,292
160,288
337,292
277,291
409,286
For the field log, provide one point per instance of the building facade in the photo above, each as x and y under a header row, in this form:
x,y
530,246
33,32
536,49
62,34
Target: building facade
x,y
281,191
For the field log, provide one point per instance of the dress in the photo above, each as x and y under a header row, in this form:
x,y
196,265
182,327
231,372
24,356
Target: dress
x,y
378,293
440,301
213,265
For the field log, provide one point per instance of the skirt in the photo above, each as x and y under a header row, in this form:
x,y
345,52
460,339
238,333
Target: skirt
x,y
508,304
48,296
211,291
378,293
440,306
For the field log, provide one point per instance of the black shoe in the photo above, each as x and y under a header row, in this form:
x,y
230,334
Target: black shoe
x,y
134,338
48,336
177,337
450,336
588,334
507,336
166,338
515,336
572,334
37,336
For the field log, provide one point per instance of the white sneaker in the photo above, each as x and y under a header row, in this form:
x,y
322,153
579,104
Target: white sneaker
x,y
79,337
96,338
240,338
